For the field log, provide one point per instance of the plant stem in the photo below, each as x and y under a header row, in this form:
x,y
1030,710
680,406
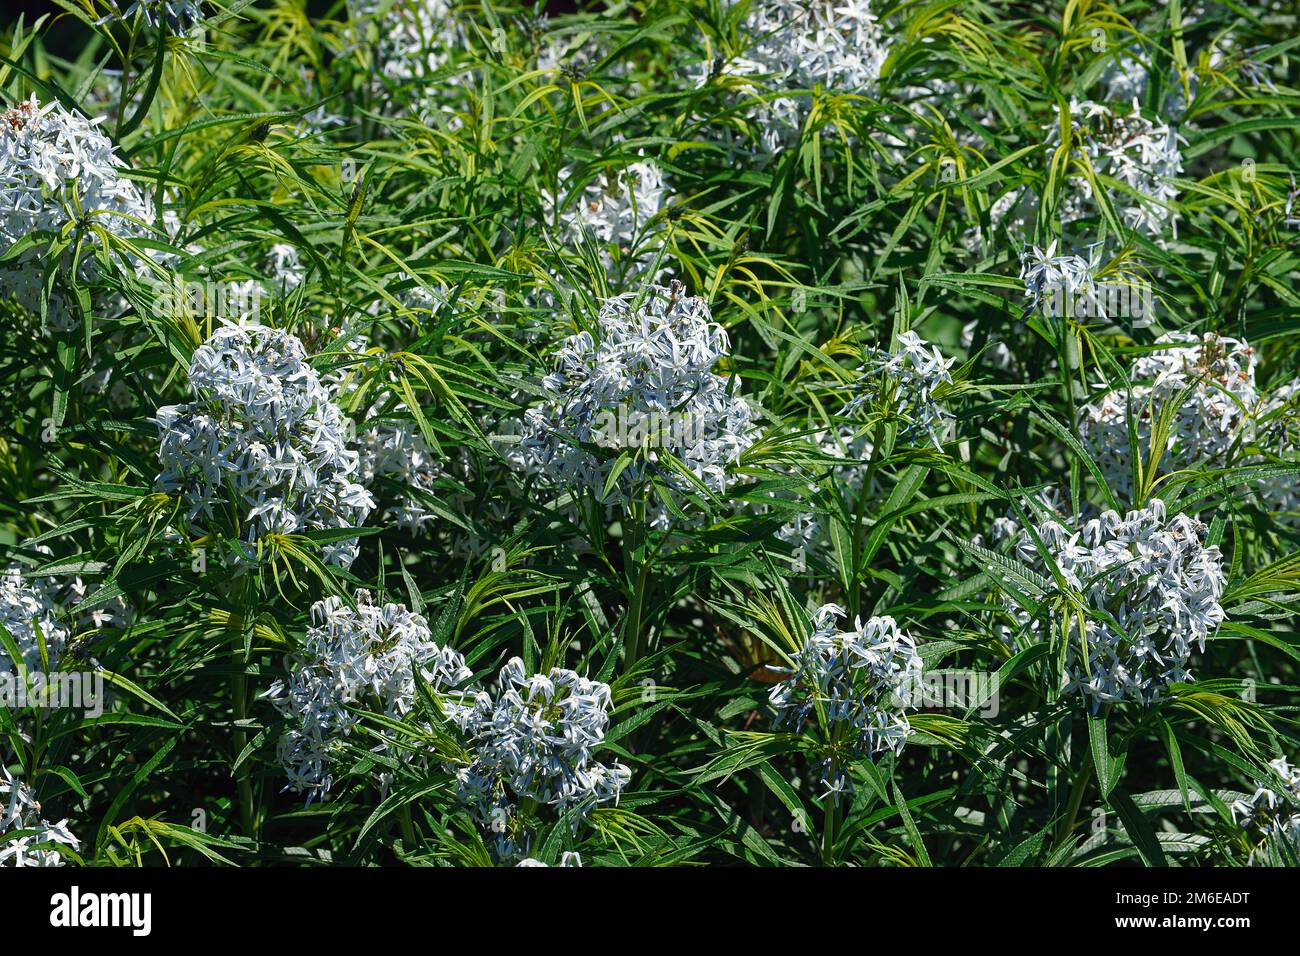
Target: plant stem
x,y
635,609
829,821
828,830
859,528
406,825
1077,791
243,784
246,595
634,542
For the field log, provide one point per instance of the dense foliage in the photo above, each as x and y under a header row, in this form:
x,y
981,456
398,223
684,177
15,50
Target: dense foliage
x,y
777,432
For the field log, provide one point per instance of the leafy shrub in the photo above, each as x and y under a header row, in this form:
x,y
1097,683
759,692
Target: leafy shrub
x,y
723,432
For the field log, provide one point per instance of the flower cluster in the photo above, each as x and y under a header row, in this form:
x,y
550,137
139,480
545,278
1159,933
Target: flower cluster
x,y
532,739
1278,425
1151,587
1125,79
902,384
19,811
535,739
652,359
365,656
423,298
263,447
616,206
415,38
799,45
1047,275
1211,421
39,599
568,858
28,613
1128,76
1271,815
393,450
56,167
180,15
285,267
862,679
1140,155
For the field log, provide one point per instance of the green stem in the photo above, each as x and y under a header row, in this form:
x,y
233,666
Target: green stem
x,y
828,830
243,784
830,817
1077,791
407,826
859,527
634,537
636,607
246,597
